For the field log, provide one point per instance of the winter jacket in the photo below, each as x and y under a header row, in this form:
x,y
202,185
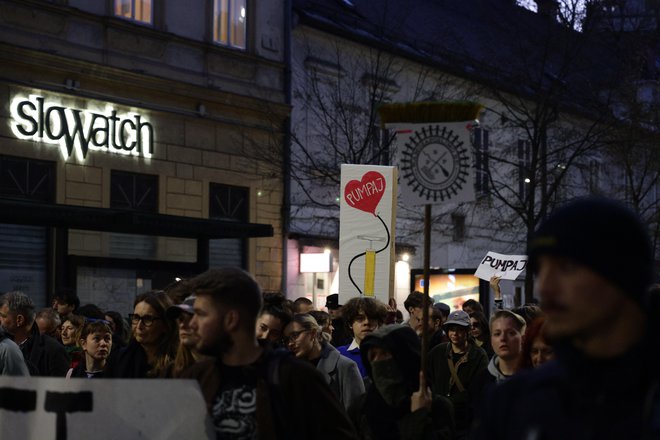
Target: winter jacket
x,y
293,400
44,356
577,397
341,374
375,418
442,383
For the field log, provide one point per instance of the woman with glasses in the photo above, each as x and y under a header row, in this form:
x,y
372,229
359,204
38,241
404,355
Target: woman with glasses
x,y
304,337
153,342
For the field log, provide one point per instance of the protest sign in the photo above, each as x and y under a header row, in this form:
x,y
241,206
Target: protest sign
x,y
508,267
35,408
366,231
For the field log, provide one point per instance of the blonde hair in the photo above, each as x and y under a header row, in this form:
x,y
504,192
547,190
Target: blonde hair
x,y
307,321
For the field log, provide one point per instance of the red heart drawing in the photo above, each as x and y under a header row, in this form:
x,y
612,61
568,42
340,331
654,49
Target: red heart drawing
x,y
366,193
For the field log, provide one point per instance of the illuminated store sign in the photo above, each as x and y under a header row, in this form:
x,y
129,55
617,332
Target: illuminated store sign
x,y
80,131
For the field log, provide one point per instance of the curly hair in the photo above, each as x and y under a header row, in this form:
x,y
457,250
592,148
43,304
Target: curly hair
x,y
370,307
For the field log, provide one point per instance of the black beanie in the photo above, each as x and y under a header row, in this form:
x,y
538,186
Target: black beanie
x,y
603,235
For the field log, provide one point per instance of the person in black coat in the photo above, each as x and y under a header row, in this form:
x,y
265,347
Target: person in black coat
x,y
43,355
593,262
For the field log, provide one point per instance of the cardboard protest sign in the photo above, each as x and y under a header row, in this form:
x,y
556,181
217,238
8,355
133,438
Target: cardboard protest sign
x,y
508,267
366,231
35,408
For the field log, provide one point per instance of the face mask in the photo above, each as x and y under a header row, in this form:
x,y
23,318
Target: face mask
x,y
388,380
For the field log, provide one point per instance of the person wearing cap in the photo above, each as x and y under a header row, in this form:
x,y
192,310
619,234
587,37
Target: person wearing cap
x,y
453,367
593,263
340,335
186,354
397,403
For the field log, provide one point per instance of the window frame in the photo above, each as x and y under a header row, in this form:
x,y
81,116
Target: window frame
x,y
229,44
132,19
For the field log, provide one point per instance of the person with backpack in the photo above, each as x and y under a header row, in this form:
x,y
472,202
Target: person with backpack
x,y
253,390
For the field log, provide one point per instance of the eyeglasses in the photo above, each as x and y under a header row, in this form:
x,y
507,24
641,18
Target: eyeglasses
x,y
147,320
293,336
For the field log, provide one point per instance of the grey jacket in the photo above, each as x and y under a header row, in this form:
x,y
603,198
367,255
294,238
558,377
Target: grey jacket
x,y
341,374
11,358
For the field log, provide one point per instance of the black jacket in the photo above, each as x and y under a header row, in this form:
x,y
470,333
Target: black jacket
x,y
129,362
44,356
375,419
577,397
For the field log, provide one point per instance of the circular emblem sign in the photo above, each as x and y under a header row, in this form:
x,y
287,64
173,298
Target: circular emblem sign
x,y
435,163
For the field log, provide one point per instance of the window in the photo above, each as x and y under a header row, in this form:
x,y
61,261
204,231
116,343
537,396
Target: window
x,y
137,10
482,182
27,179
138,192
229,23
524,160
229,203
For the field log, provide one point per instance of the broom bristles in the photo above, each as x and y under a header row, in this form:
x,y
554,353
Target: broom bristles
x,y
420,112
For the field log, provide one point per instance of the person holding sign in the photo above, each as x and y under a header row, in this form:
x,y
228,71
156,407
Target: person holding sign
x,y
454,366
398,403
253,391
593,263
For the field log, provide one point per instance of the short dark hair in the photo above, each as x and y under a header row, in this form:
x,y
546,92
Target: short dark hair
x,y
90,311
371,307
94,327
67,296
416,300
474,305
232,287
277,306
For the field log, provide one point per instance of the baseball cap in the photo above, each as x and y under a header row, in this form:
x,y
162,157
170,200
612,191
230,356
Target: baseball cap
x,y
458,317
186,306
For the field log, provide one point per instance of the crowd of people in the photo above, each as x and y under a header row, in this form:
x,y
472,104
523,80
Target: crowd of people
x,y
584,364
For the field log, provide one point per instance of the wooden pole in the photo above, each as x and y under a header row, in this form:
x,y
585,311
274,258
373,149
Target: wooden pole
x,y
427,264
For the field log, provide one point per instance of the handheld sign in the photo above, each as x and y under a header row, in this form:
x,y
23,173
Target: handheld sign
x,y
35,408
507,267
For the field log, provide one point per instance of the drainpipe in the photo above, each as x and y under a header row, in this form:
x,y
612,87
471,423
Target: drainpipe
x,y
286,150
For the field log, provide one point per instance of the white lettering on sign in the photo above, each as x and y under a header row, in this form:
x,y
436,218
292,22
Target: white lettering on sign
x,y
79,131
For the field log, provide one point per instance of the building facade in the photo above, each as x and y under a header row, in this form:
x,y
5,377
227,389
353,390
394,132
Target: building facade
x,y
545,133
123,138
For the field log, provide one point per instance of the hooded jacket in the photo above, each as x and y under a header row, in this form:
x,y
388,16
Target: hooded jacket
x,y
374,418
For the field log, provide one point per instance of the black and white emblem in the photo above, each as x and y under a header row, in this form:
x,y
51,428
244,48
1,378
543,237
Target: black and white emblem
x,y
435,163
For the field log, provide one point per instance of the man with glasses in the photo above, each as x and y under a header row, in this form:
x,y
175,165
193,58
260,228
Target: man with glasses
x,y
253,391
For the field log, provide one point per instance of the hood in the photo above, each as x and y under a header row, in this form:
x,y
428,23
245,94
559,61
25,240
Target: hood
x,y
403,343
494,369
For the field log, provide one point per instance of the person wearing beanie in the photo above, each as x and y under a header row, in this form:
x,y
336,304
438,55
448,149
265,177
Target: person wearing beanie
x,y
593,263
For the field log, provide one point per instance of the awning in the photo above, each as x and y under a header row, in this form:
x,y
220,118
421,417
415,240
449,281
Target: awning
x,y
25,212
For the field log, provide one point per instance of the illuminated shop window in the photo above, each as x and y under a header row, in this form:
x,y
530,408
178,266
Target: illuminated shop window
x,y
229,23
137,10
